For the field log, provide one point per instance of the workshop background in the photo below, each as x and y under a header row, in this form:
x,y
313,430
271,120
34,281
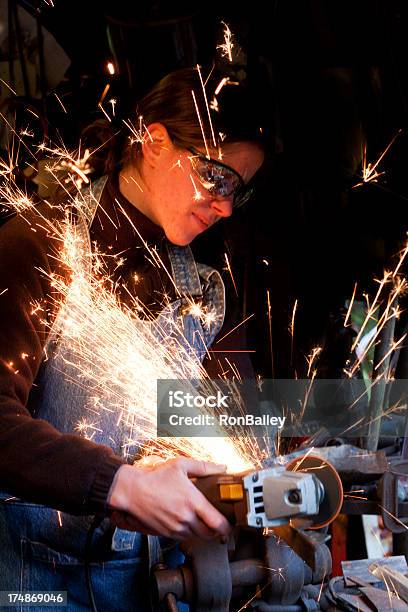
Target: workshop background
x,y
331,82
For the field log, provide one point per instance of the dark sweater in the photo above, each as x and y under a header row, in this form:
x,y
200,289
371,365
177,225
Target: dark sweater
x,y
38,463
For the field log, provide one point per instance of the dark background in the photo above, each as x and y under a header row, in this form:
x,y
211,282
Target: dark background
x,y
329,77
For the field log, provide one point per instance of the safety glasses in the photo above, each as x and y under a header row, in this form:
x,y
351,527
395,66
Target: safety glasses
x,y
219,179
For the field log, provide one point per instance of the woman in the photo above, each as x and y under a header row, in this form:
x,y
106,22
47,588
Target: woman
x,y
171,186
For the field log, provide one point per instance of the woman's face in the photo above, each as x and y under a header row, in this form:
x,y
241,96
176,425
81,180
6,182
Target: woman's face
x,y
179,191
177,198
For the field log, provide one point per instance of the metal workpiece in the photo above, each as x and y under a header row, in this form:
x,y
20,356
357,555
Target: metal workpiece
x,y
215,577
178,582
286,571
276,495
390,494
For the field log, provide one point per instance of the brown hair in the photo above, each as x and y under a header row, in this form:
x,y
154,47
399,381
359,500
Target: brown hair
x,y
229,116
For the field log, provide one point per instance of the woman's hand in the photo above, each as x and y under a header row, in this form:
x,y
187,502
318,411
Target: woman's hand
x,y
159,498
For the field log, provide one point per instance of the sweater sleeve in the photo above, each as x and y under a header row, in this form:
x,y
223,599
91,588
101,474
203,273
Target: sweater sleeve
x,y
38,463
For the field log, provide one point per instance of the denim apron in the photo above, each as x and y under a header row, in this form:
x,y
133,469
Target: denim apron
x,y
42,549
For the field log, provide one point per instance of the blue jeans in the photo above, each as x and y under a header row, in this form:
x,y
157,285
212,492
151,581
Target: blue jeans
x,y
31,559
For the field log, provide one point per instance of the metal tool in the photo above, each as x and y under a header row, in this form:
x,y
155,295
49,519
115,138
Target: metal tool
x,y
307,487
263,505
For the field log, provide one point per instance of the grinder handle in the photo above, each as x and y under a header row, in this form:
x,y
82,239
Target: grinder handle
x,y
226,493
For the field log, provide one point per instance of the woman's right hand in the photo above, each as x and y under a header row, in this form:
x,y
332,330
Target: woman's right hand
x,y
160,499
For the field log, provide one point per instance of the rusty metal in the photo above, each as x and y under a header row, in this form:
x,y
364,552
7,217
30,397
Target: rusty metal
x,y
390,511
177,581
208,581
286,572
211,573
359,569
383,600
395,580
299,542
247,572
355,601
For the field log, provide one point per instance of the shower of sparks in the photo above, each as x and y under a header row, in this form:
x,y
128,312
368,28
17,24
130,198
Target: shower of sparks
x,y
369,172
118,353
400,286
230,273
60,102
227,46
196,309
201,124
119,357
207,107
4,291
59,518
372,309
111,68
140,134
76,168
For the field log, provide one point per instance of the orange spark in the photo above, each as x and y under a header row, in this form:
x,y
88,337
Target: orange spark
x,y
230,271
227,46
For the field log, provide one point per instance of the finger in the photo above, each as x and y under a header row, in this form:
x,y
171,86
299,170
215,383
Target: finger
x,y
201,530
212,518
193,467
183,533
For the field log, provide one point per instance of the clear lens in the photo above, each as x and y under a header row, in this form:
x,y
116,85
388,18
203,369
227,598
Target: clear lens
x,y
220,180
215,178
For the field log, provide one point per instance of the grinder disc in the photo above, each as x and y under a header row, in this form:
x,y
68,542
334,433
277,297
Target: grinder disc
x,y
333,489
